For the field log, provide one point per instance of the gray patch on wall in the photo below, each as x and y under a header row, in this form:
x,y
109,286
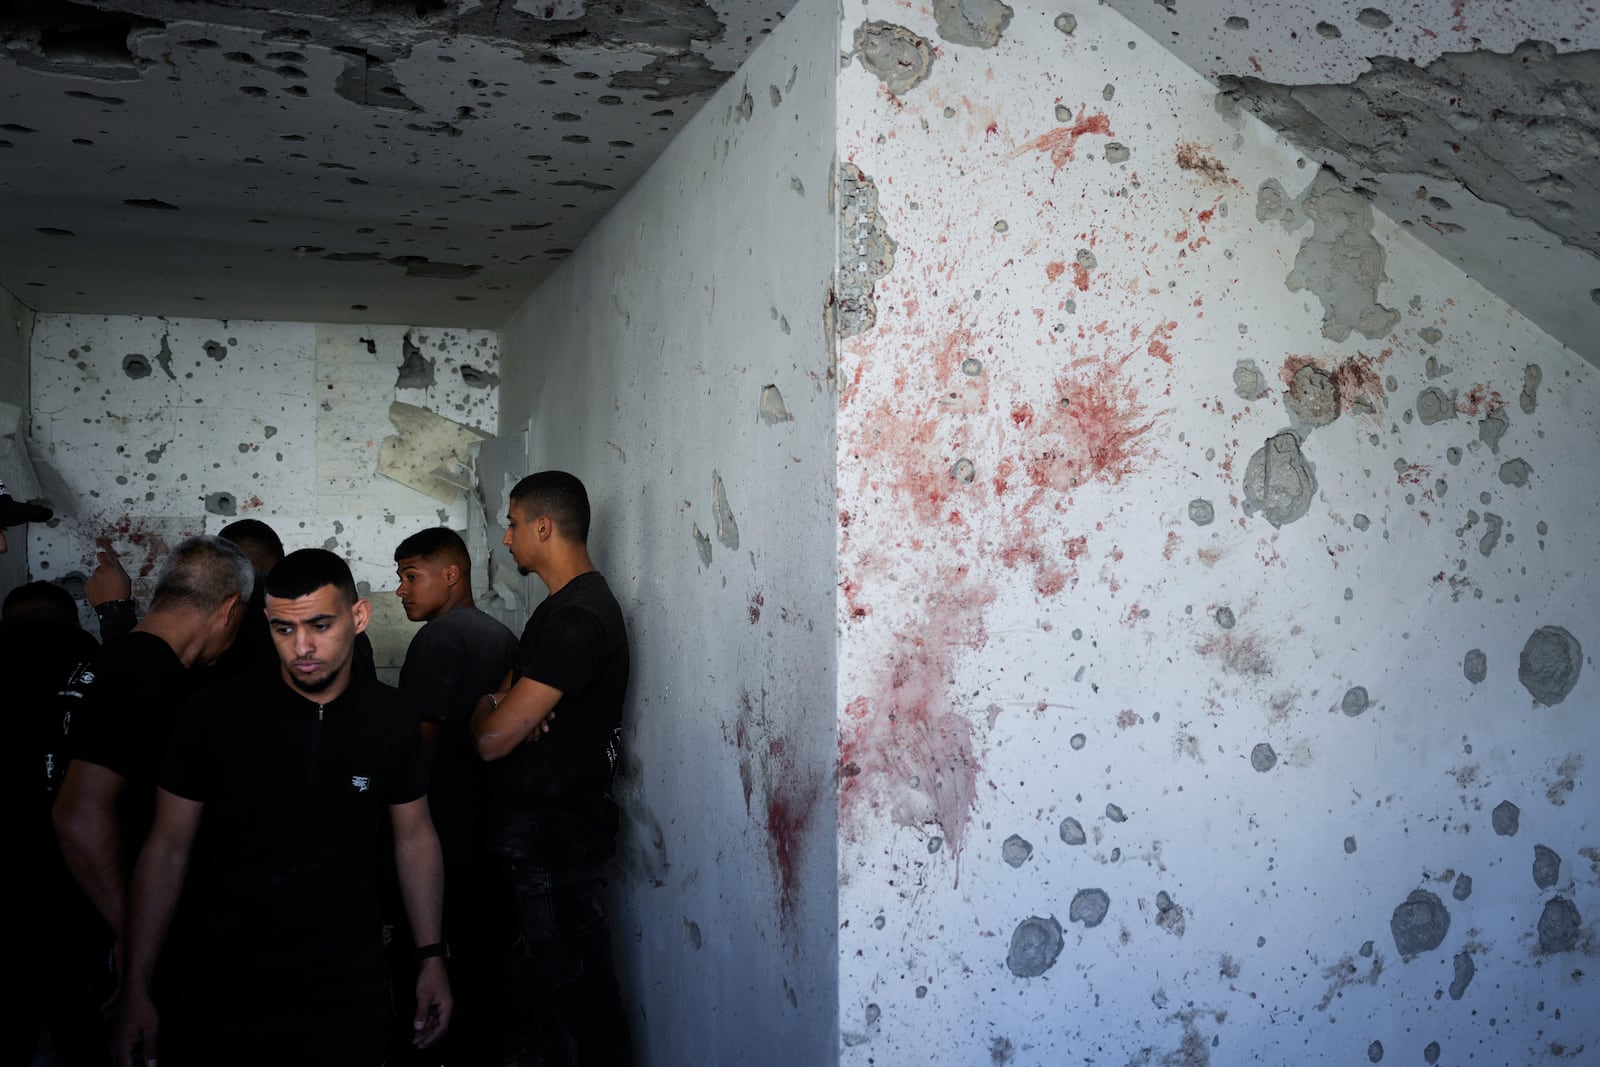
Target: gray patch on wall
x,y
1089,907
1278,482
1475,665
673,77
1492,525
1505,818
1535,150
1550,663
702,543
416,371
1035,945
1419,923
1492,427
216,350
222,504
1072,831
1341,262
773,409
1201,512
1262,758
1546,866
1531,377
1355,701
1558,925
1016,851
866,252
1248,381
1312,396
1464,970
975,22
727,528
1433,406
1515,472
1463,887
894,55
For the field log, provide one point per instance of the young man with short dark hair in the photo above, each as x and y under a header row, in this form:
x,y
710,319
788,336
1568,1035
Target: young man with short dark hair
x,y
553,821
269,820
459,653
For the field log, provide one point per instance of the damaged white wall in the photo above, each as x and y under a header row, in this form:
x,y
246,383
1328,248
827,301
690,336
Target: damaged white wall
x,y
677,363
1181,718
154,429
16,326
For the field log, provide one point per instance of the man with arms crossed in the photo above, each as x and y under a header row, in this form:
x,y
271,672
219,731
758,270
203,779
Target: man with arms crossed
x,y
553,821
269,817
459,654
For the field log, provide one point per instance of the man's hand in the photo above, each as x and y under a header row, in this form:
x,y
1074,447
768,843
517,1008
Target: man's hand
x,y
434,1003
108,581
133,1039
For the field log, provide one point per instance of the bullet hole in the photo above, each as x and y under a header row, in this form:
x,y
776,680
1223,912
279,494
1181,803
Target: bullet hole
x,y
1546,866
1475,665
1515,472
1434,406
1114,813
964,471
691,934
1236,22
1086,259
1015,851
1355,701
1248,381
1373,18
1431,1053
1375,1052
1558,925
1328,30
727,528
474,378
1505,818
1419,923
935,843
216,351
1549,665
1072,831
1349,846
1278,482
416,370
1077,742
972,366
979,23
1452,456
1263,758
1035,945
136,366
1313,396
1089,907
1068,24
773,410
1225,618
1117,152
221,504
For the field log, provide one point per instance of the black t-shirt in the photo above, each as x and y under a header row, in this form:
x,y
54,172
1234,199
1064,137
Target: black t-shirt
x,y
117,711
451,662
551,796
281,891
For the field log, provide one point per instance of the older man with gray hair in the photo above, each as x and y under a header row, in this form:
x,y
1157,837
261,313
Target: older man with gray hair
x,y
118,708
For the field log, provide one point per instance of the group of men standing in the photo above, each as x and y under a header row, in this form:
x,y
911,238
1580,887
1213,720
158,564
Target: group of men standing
x,y
247,824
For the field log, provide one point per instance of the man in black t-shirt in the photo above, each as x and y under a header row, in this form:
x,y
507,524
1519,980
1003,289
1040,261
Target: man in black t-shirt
x,y
116,712
272,802
553,821
459,654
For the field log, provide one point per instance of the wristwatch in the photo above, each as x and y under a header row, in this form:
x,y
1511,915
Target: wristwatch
x,y
428,952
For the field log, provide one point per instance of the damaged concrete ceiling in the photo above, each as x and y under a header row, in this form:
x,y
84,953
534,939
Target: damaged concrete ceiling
x,y
415,161
1475,124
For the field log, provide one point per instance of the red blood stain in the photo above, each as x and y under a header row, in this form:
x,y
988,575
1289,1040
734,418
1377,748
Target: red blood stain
x,y
1412,475
1356,379
1080,276
1127,717
1077,546
992,128
755,608
1207,214
1132,617
251,504
1253,62
1062,142
789,793
1173,543
1479,398
1158,341
1002,477
853,606
1237,653
1022,415
151,538
1094,431
906,746
1055,270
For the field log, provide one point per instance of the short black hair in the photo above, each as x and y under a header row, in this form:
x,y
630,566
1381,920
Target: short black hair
x,y
433,542
259,541
559,497
304,572
203,572
40,601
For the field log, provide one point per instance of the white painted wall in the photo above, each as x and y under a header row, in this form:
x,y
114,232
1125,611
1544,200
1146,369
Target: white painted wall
x,y
640,367
1042,642
16,326
285,420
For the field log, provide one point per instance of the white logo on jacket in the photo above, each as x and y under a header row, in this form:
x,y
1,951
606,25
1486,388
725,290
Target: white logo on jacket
x,y
360,782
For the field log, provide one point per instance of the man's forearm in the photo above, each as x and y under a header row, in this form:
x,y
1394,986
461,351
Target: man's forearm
x,y
420,865
92,848
157,883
